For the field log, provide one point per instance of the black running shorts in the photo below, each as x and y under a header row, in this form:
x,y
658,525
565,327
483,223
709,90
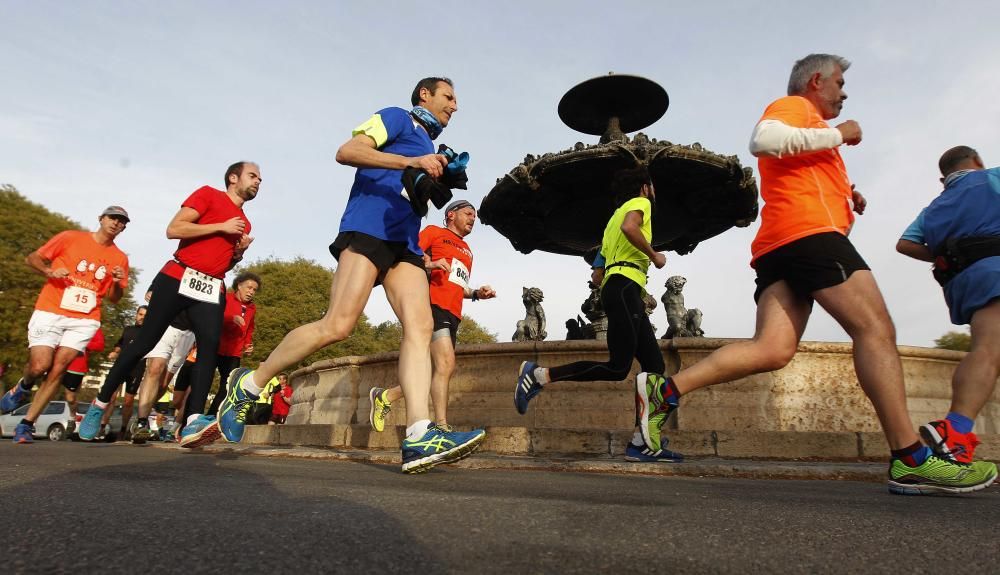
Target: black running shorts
x,y
383,254
809,264
444,319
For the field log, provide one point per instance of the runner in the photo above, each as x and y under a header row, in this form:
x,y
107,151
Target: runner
x,y
960,232
161,364
801,255
213,233
626,254
238,324
378,243
82,268
448,260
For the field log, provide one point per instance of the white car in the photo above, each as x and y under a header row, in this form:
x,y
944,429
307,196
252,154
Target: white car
x,y
56,422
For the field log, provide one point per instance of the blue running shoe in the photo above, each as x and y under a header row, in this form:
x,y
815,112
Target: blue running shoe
x,y
91,424
24,433
647,455
439,446
12,399
235,407
201,431
527,386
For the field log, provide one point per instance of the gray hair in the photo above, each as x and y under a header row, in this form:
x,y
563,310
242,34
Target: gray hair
x,y
811,64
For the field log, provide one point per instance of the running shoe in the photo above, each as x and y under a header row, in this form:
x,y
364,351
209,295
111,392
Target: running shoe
x,y
12,399
527,386
236,406
91,424
24,433
938,475
651,411
438,446
646,455
379,409
947,443
201,431
141,435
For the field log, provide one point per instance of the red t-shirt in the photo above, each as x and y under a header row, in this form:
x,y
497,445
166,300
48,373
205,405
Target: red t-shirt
x,y
89,264
80,364
213,253
447,290
235,338
279,407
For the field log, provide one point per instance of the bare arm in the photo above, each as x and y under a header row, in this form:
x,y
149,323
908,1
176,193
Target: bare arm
x,y
184,226
914,250
360,152
41,265
631,227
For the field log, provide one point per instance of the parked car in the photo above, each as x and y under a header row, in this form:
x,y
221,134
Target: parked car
x,y
56,422
115,423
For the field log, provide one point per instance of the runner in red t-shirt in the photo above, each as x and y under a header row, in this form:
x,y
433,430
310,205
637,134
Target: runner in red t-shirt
x,y
213,232
82,268
448,260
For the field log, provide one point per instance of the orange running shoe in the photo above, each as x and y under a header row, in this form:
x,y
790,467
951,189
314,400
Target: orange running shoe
x,y
947,443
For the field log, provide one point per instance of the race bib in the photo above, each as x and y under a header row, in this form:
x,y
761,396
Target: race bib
x,y
459,273
78,299
199,286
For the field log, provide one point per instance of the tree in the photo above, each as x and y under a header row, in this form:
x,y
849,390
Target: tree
x,y
954,340
24,227
471,332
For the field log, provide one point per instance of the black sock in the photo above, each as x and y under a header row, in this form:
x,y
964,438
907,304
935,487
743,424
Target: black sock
x,y
27,422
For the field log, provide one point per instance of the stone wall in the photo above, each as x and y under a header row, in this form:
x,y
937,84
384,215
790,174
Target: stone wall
x,y
816,392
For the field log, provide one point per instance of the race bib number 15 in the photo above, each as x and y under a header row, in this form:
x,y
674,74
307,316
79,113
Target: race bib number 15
x,y
78,299
199,286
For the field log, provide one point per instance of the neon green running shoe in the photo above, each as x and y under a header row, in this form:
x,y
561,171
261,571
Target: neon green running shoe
x,y
651,411
937,475
379,409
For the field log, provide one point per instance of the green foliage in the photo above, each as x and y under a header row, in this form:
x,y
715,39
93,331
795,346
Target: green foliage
x,y
24,227
954,340
471,332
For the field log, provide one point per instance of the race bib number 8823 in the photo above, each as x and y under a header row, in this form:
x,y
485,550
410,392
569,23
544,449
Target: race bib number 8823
x,y
199,286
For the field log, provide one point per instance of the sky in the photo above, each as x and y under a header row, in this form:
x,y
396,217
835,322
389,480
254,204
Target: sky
x,y
140,103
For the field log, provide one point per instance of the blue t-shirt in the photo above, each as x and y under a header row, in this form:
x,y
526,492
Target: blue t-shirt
x,y
375,206
969,206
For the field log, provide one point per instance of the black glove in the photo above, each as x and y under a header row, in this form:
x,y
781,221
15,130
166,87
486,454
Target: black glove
x,y
419,188
454,173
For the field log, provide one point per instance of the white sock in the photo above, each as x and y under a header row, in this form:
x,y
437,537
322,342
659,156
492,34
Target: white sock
x,y
637,439
191,418
100,404
250,387
418,429
541,375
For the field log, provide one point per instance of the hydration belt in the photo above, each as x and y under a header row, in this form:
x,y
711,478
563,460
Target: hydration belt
x,y
624,264
957,254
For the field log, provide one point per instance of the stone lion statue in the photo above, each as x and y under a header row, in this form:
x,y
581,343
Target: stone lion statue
x,y
682,322
532,327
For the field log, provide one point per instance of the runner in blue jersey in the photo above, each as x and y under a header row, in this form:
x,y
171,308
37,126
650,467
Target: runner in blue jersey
x,y
378,244
960,232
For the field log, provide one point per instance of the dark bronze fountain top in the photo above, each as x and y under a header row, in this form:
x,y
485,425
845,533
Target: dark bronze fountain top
x,y
561,202
613,105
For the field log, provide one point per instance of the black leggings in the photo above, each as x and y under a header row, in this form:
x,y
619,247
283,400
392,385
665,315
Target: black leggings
x,y
226,364
630,335
166,303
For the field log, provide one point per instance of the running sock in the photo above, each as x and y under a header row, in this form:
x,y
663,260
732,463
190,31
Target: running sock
x,y
191,418
914,455
961,423
418,429
541,375
27,422
249,386
25,385
669,391
142,422
637,440
100,404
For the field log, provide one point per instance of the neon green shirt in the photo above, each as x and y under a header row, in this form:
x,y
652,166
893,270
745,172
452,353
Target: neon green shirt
x,y
616,248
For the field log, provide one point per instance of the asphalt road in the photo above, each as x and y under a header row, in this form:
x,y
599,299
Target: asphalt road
x,y
125,509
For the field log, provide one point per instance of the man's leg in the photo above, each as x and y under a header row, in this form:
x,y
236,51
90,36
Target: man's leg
x,y
152,382
127,405
406,289
60,360
858,307
225,364
781,321
976,375
443,366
